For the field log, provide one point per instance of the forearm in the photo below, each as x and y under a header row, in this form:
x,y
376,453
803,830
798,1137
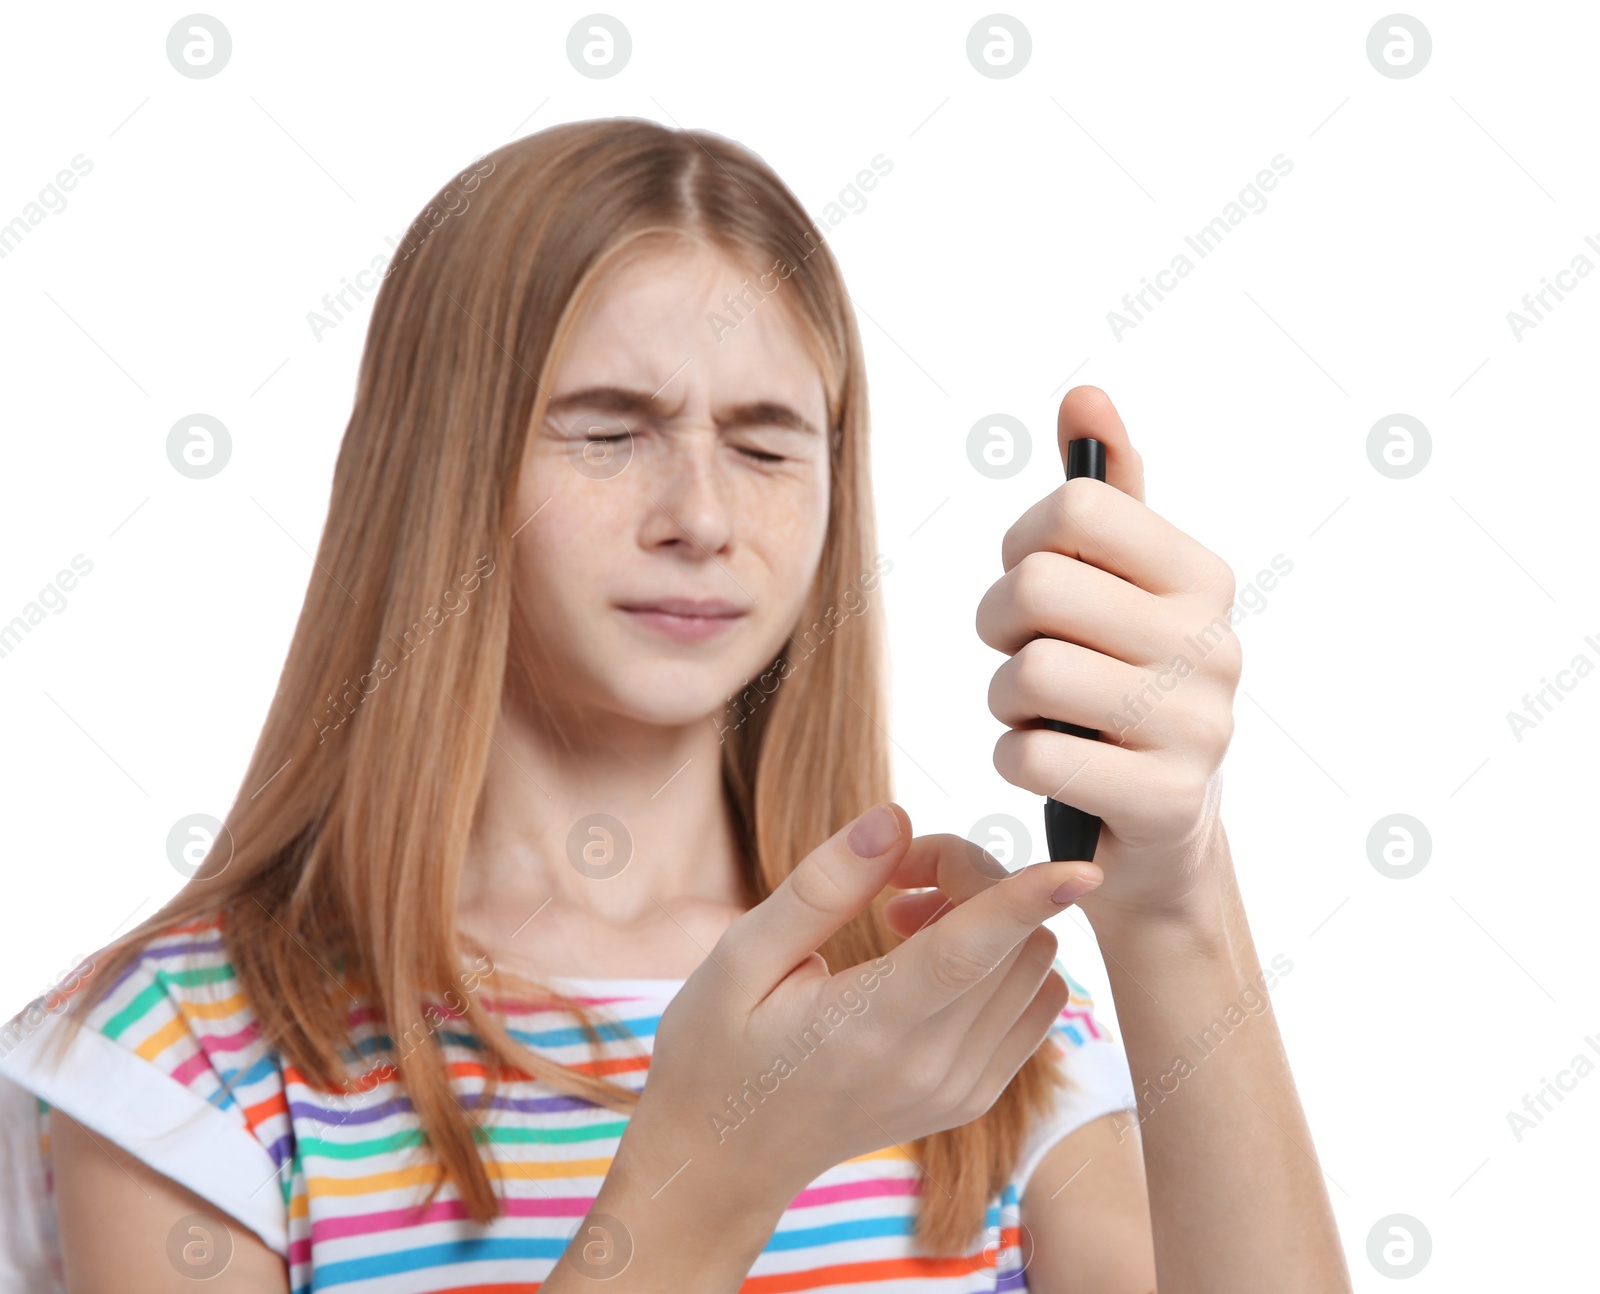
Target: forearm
x,y
1237,1199
668,1217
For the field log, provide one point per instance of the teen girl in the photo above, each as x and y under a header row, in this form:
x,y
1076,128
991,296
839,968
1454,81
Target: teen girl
x,y
513,838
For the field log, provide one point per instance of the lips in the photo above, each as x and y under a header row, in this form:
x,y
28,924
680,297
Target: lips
x,y
714,608
686,620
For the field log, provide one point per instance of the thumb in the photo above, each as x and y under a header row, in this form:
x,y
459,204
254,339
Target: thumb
x,y
1088,411
831,884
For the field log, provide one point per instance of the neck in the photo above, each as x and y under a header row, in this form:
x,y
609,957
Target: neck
x,y
627,836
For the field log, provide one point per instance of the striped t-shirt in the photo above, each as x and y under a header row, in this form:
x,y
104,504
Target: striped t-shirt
x,y
172,1067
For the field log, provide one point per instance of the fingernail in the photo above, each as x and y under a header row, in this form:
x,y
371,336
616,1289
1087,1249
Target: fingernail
x,y
875,832
1073,888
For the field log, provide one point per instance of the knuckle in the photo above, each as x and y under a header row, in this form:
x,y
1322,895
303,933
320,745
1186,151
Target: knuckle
x,y
1218,644
976,860
1188,789
986,620
811,886
726,949
1228,658
922,1080
1018,756
1001,756
1002,681
1081,501
952,852
1218,728
1034,763
1033,586
955,970
1186,797
1208,726
1030,670
1042,946
875,1051
1223,579
976,1103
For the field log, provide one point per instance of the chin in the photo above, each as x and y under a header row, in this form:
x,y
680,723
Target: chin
x,y
716,688
672,700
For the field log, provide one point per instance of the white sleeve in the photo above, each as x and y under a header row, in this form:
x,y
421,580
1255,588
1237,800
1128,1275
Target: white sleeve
x,y
113,1091
30,1253
1101,1083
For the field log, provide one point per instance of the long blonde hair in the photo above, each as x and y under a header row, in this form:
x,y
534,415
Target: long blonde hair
x,y
348,834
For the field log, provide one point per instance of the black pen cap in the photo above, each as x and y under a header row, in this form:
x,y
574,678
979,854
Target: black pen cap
x,y
1086,457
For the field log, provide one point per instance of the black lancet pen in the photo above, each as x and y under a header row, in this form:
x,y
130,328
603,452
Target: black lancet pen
x,y
1072,833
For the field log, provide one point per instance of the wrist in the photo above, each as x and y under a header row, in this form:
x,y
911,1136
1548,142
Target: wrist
x,y
695,1178
1197,921
662,1144
669,1215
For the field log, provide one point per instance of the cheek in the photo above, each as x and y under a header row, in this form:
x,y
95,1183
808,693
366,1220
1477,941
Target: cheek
x,y
569,534
790,534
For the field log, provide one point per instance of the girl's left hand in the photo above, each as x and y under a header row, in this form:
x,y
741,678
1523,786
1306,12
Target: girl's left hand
x,y
1114,619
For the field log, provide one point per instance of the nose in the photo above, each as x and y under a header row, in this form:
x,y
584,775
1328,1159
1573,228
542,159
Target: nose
x,y
689,507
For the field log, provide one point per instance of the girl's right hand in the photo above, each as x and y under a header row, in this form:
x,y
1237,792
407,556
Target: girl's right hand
x,y
775,1069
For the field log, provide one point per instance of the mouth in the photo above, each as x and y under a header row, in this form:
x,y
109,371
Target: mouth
x,y
686,619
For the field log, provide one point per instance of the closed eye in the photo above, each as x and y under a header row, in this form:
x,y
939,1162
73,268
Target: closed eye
x,y
755,455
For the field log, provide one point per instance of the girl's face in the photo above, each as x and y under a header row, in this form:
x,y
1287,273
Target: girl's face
x,y
684,461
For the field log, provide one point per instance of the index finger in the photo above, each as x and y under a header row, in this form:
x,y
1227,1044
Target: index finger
x,y
948,862
941,871
1088,520
944,960
1076,520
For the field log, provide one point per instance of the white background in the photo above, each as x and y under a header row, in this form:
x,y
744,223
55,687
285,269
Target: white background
x,y
1419,1011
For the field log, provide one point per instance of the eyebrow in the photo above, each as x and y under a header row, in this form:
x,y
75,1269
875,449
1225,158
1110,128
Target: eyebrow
x,y
620,400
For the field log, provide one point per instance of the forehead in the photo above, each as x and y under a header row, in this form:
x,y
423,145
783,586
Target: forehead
x,y
689,319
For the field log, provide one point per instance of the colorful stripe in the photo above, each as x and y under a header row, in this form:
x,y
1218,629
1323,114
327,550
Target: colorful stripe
x,y
353,1169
